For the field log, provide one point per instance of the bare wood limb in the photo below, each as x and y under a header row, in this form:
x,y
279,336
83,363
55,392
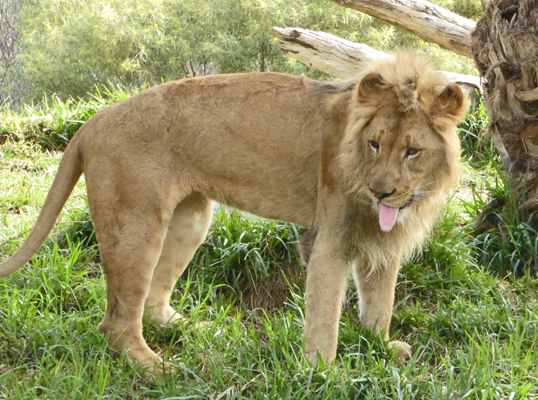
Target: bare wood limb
x,y
328,53
426,20
341,58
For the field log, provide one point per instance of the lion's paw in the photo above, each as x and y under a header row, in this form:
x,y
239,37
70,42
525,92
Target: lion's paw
x,y
163,316
402,350
158,369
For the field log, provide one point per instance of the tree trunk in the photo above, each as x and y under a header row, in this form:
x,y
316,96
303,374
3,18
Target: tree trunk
x,y
505,48
342,58
429,22
9,48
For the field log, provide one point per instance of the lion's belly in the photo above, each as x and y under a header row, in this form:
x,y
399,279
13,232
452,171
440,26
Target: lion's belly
x,y
267,201
279,192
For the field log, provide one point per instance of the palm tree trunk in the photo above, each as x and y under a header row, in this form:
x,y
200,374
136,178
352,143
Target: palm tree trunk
x,y
505,48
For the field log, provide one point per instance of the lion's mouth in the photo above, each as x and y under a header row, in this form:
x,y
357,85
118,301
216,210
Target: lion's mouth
x,y
388,215
408,202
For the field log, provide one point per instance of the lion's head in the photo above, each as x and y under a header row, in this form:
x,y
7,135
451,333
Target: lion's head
x,y
401,150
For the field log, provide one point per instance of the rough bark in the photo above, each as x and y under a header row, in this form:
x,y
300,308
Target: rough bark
x,y
9,48
341,58
505,49
426,20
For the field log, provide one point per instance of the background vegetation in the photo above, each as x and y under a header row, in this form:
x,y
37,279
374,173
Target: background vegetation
x,y
67,47
468,304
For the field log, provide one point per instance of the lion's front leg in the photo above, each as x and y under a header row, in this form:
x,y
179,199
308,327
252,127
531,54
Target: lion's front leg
x,y
326,284
376,300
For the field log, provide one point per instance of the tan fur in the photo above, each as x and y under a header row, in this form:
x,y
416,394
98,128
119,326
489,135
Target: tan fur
x,y
279,146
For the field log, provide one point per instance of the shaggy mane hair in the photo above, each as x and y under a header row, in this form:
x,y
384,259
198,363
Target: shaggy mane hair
x,y
408,84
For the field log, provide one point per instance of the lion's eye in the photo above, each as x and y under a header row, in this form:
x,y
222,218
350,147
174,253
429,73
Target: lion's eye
x,y
374,145
412,151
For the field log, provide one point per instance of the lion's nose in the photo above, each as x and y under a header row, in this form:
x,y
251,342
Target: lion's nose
x,y
381,195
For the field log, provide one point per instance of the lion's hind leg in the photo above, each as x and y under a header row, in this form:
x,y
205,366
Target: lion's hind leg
x,y
186,231
129,256
130,226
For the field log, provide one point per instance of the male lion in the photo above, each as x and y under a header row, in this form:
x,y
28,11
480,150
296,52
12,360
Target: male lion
x,y
365,165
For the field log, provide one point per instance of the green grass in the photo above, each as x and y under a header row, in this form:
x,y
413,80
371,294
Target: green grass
x,y
468,304
54,122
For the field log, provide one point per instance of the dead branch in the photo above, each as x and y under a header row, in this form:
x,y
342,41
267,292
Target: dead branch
x,y
426,20
341,58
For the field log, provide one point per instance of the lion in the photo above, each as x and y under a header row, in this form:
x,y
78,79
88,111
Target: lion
x,y
365,165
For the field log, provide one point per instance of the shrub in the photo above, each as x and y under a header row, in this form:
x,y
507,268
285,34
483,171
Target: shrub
x,y
71,46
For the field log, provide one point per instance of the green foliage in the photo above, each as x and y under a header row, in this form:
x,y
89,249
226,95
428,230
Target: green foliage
x,y
254,258
504,233
54,122
478,149
71,46
471,9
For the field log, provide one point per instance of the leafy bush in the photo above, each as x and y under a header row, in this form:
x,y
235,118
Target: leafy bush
x,y
71,46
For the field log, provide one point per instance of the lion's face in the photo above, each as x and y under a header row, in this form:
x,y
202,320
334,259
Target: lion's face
x,y
404,147
399,157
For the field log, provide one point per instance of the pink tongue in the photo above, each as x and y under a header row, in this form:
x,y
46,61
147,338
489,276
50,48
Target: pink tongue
x,y
387,217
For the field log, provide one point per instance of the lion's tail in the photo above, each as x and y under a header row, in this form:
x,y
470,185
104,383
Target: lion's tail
x,y
68,174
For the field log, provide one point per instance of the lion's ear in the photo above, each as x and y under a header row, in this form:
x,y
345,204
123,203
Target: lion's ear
x,y
452,101
370,87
